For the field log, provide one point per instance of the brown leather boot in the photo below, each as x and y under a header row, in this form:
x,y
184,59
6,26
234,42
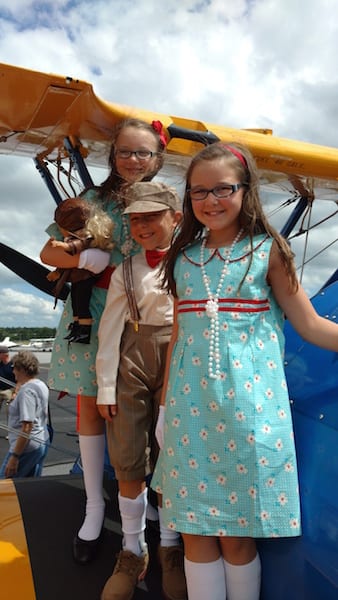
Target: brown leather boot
x,y
129,570
174,585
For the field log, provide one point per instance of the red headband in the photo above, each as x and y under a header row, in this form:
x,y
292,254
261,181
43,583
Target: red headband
x,y
158,127
237,154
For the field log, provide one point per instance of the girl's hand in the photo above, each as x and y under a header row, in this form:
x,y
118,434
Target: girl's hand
x,y
59,244
107,411
159,430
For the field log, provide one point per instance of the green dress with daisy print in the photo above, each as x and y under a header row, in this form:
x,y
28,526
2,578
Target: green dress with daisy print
x,y
228,466
72,367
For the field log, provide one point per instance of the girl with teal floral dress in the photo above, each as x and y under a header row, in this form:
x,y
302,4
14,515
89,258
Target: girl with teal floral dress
x,y
227,468
136,155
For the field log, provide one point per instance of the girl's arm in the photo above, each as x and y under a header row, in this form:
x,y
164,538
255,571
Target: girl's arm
x,y
159,430
298,309
171,345
57,257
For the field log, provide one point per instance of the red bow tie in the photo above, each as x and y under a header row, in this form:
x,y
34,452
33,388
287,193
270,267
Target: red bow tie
x,y
154,257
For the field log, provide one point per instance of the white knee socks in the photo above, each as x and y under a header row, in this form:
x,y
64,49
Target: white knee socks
x,y
205,580
92,458
169,537
133,517
243,582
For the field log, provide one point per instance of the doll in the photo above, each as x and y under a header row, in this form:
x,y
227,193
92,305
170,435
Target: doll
x,y
85,229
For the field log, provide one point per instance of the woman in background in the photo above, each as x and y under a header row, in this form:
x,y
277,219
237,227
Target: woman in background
x,y
27,420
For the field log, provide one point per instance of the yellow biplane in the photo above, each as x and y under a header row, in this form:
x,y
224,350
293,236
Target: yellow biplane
x,y
65,128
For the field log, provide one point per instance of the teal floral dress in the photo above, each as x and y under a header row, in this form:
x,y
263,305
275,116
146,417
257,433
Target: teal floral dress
x,y
72,367
228,466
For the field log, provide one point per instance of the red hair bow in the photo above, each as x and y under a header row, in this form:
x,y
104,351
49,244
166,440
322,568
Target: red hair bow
x,y
158,127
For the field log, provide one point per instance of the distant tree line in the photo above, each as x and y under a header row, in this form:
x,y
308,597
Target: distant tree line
x,y
23,334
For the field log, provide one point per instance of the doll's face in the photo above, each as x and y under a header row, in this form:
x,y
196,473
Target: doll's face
x,y
134,168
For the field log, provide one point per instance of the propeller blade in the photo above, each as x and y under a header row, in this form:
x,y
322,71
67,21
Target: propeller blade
x,y
30,270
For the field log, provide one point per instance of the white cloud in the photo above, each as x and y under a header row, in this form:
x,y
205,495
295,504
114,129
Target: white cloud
x,y
27,310
261,63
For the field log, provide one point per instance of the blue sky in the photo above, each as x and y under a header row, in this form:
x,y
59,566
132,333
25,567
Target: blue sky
x,y
262,63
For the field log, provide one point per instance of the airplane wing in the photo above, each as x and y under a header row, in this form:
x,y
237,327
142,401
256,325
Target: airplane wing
x,y
60,122
39,111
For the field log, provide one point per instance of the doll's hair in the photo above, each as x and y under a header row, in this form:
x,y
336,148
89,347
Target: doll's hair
x,y
100,228
114,181
85,219
251,218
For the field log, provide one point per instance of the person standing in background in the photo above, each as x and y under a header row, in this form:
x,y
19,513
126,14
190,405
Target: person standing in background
x,y
27,420
6,371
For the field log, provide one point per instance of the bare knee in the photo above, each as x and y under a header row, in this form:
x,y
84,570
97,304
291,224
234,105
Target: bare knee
x,y
91,422
238,550
201,549
131,489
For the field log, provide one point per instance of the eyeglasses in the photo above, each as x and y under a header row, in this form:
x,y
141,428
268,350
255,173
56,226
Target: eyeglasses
x,y
140,154
219,191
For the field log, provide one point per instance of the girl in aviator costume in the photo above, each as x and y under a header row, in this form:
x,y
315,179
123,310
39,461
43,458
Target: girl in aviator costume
x,y
227,469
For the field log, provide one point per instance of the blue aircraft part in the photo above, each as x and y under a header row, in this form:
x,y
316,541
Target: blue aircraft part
x,y
306,568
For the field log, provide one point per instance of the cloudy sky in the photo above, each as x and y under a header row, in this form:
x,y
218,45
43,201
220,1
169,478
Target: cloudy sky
x,y
240,63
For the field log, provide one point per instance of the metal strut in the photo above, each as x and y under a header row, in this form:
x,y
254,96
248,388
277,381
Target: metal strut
x,y
203,137
48,179
78,161
295,216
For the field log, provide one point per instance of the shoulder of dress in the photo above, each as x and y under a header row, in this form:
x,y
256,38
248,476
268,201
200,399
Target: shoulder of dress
x,y
191,253
247,247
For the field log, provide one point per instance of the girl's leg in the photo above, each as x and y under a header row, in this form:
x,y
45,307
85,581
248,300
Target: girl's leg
x,y
171,558
204,568
92,446
242,568
133,507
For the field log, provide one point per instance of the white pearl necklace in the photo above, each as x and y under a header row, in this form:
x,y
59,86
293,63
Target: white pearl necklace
x,y
211,309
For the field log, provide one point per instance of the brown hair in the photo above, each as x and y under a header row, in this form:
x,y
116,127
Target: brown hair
x,y
114,181
252,218
27,362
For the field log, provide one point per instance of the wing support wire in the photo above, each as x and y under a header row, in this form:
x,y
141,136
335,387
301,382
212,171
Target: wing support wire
x,y
48,179
70,151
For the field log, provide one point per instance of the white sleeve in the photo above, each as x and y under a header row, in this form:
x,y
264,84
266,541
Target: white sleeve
x,y
94,259
111,328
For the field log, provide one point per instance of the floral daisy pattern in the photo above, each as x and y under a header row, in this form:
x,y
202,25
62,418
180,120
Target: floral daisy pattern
x,y
229,465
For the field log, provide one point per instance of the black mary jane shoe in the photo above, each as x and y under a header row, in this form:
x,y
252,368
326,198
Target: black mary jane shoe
x,y
72,327
84,551
81,335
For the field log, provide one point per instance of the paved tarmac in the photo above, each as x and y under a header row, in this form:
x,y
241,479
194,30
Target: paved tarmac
x,y
65,448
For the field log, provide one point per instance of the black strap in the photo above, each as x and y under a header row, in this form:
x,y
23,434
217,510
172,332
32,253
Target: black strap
x,y
49,425
129,287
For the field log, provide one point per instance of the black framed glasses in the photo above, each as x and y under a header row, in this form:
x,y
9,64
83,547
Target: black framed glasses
x,y
224,190
140,154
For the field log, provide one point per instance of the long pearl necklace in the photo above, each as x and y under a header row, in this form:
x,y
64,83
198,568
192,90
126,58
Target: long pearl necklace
x,y
211,309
